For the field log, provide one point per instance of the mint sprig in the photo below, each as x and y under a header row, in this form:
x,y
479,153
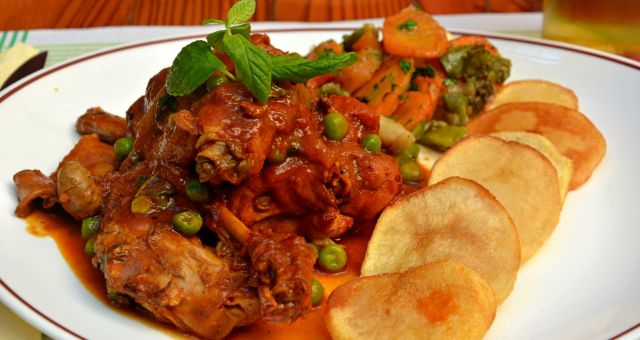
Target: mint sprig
x,y
193,65
253,65
240,12
215,39
254,68
295,68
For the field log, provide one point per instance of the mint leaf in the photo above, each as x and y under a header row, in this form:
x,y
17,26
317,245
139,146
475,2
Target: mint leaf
x,y
192,66
295,68
215,39
241,11
213,21
253,65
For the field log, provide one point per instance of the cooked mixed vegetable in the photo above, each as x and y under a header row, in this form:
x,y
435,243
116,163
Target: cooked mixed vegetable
x,y
416,76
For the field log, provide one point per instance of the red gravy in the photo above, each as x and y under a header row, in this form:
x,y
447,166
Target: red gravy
x,y
65,231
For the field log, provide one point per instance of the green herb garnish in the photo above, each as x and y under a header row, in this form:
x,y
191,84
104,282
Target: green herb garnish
x,y
427,71
193,66
295,68
215,39
405,65
254,68
253,65
408,25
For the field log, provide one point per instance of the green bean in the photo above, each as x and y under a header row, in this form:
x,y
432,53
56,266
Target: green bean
x,y
457,103
443,137
187,222
420,128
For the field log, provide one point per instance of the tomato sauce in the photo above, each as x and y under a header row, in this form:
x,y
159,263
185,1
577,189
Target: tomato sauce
x,y
65,231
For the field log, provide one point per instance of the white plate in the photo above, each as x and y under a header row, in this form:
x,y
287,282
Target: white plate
x,y
584,283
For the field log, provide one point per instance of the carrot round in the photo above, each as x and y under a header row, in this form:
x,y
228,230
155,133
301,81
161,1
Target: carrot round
x,y
329,46
414,33
369,53
416,106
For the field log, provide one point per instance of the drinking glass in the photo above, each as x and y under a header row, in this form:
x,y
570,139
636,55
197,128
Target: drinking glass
x,y
609,25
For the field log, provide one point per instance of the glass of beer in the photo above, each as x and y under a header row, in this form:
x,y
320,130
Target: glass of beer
x,y
609,25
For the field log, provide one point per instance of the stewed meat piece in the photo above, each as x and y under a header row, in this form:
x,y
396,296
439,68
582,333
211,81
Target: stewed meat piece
x,y
107,126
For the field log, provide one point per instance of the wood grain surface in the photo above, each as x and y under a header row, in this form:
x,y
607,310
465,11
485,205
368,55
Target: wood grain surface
x,y
29,14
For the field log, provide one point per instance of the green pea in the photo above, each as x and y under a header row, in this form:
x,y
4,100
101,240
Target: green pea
x,y
332,258
89,246
317,292
276,156
141,205
411,171
315,248
122,147
335,126
196,191
187,222
408,154
216,81
372,142
90,226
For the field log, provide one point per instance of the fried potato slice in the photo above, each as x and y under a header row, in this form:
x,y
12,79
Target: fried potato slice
x,y
439,300
563,165
521,178
455,219
571,132
534,90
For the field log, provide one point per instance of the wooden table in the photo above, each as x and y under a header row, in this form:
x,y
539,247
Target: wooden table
x,y
29,14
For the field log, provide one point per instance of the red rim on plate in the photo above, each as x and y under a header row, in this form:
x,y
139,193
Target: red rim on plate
x,y
44,73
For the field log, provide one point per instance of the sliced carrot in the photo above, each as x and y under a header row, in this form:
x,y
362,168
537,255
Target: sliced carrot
x,y
324,47
357,74
434,63
416,106
317,81
369,53
414,33
475,40
430,86
382,91
369,39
